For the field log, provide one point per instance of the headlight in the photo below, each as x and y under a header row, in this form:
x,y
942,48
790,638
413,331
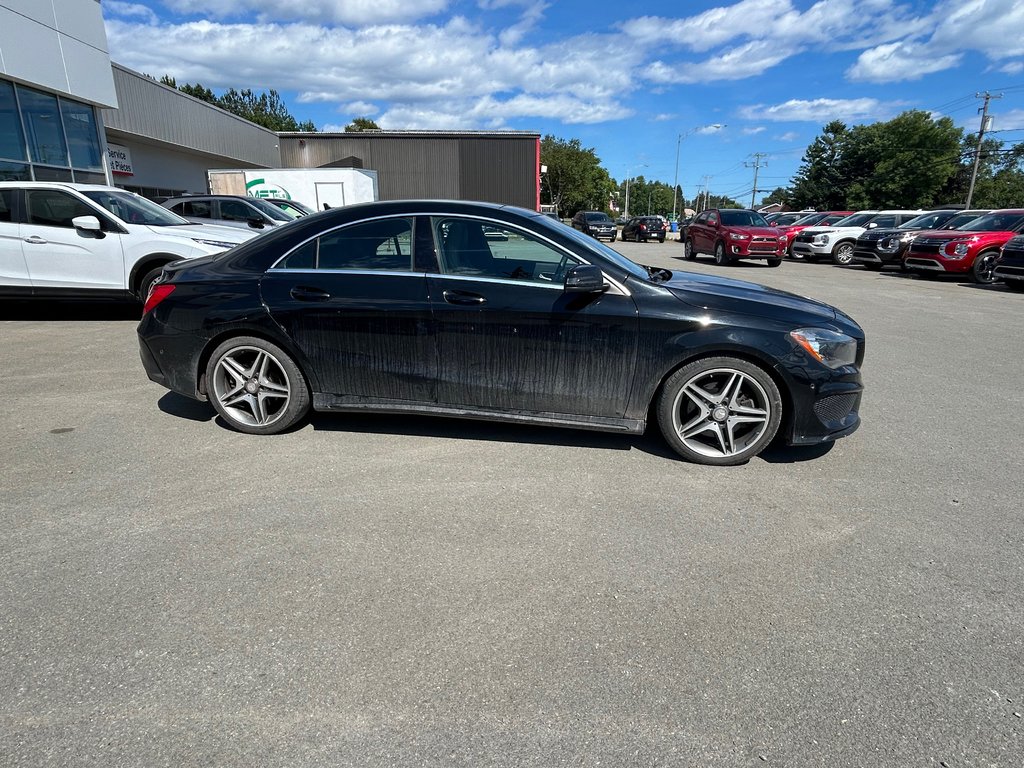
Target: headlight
x,y
738,236
830,348
822,239
214,243
957,250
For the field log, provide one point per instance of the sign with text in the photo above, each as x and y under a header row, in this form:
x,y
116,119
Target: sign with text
x,y
120,159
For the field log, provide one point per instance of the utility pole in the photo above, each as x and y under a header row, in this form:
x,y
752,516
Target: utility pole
x,y
981,134
756,165
706,181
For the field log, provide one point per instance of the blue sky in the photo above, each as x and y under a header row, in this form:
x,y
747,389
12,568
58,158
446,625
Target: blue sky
x,y
627,80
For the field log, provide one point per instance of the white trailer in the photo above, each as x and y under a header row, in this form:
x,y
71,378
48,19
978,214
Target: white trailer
x,y
319,188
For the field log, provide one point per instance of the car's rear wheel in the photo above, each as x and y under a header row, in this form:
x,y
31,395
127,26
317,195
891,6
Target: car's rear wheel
x,y
147,282
721,259
842,254
982,269
255,386
719,410
689,252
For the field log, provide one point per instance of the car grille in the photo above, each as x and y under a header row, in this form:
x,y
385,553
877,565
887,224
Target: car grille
x,y
927,244
1012,272
765,244
869,237
832,408
867,243
802,238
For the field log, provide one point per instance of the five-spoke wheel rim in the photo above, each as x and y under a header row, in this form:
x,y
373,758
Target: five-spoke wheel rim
x,y
721,412
251,386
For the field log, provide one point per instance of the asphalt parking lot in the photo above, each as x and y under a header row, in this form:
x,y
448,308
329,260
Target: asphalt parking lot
x,y
393,591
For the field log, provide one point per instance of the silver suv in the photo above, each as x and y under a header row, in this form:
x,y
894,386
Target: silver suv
x,y
59,239
228,210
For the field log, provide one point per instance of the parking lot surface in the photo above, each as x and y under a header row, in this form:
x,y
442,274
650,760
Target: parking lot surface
x,y
395,591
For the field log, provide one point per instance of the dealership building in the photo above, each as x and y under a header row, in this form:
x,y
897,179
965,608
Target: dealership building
x,y
67,113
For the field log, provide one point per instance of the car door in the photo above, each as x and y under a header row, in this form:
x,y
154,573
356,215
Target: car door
x,y
698,233
510,338
13,269
353,305
59,256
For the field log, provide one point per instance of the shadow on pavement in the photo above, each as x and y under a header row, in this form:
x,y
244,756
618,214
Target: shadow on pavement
x,y
63,310
174,404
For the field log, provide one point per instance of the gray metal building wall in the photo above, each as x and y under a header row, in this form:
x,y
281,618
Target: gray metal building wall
x,y
498,167
159,113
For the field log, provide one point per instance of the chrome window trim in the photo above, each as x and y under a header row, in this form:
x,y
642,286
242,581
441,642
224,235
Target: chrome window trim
x,y
620,288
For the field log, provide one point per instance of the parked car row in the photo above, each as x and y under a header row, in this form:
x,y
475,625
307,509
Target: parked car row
x,y
944,241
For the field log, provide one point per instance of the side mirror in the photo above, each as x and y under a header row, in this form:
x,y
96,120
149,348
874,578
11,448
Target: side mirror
x,y
255,223
872,225
87,223
584,278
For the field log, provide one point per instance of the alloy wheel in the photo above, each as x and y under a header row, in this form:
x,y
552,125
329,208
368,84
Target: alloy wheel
x,y
251,386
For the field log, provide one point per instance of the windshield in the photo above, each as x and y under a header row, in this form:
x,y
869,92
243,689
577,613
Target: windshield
x,y
855,220
597,217
960,219
731,218
932,220
994,222
270,210
811,218
133,209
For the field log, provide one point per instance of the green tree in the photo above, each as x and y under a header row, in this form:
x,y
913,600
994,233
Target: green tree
x,y
265,108
780,195
820,182
574,179
361,124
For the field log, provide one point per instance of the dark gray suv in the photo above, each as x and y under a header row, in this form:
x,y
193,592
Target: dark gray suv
x,y
596,224
228,210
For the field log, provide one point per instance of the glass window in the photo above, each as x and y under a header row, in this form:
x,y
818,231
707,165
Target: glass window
x,y
87,177
52,174
472,248
42,123
303,257
237,210
80,129
712,218
884,220
12,140
7,204
53,208
134,209
14,171
196,208
385,244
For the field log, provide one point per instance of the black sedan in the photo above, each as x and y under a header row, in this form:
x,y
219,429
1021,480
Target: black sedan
x,y
1009,265
414,306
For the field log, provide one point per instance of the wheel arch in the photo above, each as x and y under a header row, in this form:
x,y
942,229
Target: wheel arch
x,y
147,263
215,341
742,353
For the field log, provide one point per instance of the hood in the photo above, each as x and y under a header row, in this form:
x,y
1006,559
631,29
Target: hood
x,y
724,293
754,231
208,232
959,234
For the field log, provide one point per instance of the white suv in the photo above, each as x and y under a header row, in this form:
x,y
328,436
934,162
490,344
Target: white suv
x,y
60,239
837,241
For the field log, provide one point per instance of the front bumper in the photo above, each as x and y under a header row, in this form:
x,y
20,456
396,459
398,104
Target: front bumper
x,y
803,248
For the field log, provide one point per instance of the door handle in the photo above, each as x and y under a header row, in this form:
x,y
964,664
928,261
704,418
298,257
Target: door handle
x,y
457,297
301,293
35,240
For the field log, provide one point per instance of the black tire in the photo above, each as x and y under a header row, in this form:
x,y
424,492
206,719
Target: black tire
x,y
142,292
721,258
842,254
689,252
774,262
696,420
661,239
981,270
611,239
247,378
874,266
1015,285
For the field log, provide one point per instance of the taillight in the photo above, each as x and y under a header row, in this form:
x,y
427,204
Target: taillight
x,y
157,293
643,227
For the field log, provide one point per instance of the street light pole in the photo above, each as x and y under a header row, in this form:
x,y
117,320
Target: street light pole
x,y
629,172
679,141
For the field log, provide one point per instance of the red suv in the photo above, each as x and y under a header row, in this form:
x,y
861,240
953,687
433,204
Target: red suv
x,y
731,233
972,249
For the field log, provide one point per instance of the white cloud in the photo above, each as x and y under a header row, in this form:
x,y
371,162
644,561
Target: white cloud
x,y
360,108
787,136
355,12
130,10
754,130
895,62
735,64
821,110
1013,68
1007,121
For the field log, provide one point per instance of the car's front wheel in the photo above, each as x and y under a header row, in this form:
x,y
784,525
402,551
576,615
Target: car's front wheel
x,y
843,254
255,386
719,410
689,252
774,262
721,259
982,269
